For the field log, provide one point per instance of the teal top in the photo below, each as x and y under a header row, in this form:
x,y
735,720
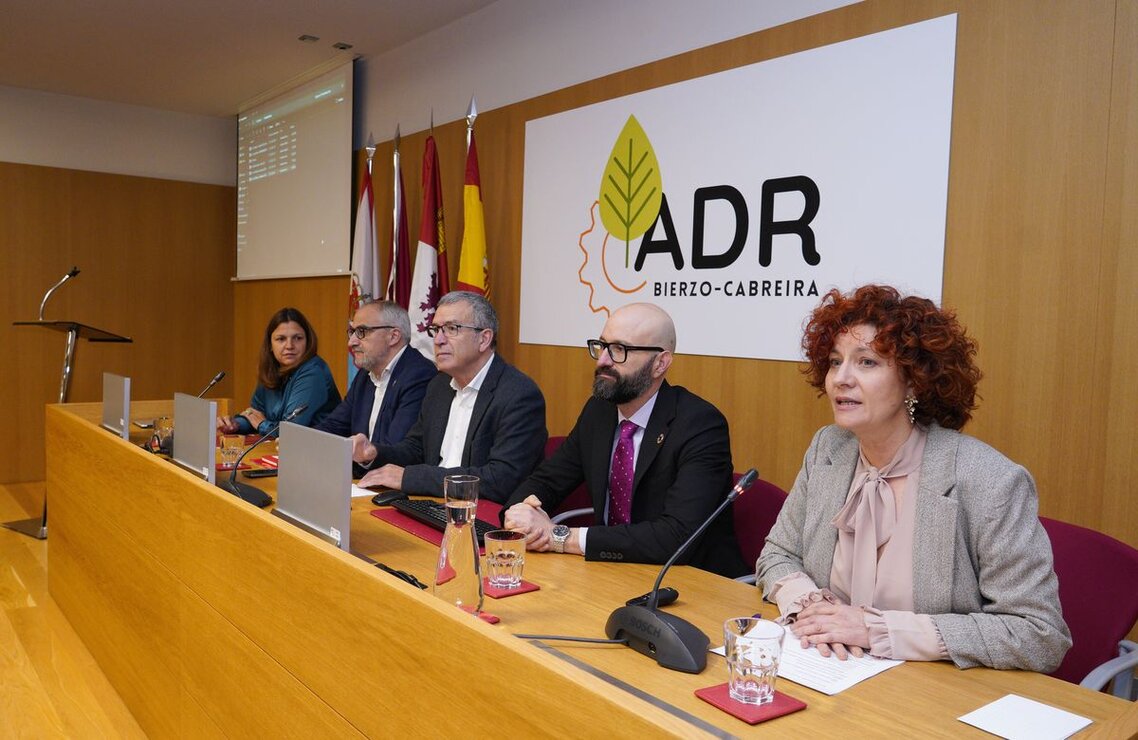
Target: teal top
x,y
310,384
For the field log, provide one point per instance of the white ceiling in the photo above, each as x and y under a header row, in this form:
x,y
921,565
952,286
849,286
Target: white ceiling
x,y
197,56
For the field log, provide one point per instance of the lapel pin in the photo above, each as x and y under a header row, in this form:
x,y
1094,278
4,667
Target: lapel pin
x,y
660,439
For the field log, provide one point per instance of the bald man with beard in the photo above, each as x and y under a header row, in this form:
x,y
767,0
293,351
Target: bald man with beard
x,y
656,459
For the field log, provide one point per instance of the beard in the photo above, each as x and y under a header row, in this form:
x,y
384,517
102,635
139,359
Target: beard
x,y
609,385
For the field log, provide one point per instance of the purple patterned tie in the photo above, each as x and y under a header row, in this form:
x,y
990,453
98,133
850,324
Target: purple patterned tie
x,y
620,478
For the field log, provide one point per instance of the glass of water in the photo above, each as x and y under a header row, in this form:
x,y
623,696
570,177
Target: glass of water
x,y
753,648
505,557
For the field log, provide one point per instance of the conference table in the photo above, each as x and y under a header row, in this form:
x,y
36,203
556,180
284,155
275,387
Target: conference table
x,y
214,618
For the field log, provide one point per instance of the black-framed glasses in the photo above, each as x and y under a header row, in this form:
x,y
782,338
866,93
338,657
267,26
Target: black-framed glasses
x,y
450,329
617,351
363,330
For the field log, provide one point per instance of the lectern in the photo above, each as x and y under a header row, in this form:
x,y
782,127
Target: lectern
x,y
37,526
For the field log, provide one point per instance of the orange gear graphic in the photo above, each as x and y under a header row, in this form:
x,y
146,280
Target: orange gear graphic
x,y
595,273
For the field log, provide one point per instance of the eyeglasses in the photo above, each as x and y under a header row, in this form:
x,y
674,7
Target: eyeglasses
x,y
450,329
362,331
617,351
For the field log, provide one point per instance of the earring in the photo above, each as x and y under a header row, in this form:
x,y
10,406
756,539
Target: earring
x,y
911,406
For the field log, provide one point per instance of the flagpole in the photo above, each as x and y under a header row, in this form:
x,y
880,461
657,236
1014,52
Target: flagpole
x,y
471,115
395,201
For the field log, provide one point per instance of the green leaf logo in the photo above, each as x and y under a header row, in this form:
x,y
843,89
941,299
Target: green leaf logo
x,y
631,187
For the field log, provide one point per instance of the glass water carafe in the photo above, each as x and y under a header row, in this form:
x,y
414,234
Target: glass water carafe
x,y
458,578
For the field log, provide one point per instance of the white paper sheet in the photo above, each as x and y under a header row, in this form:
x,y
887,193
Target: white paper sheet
x,y
807,667
1015,717
358,492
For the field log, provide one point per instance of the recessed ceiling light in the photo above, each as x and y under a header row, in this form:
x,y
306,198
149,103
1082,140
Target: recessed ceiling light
x,y
341,46
308,38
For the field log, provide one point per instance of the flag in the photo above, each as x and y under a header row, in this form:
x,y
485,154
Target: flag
x,y
473,269
431,281
365,257
399,275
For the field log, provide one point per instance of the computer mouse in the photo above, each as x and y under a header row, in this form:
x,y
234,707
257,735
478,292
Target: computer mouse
x,y
386,498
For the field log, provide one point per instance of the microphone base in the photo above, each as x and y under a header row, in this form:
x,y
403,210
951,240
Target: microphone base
x,y
249,493
672,642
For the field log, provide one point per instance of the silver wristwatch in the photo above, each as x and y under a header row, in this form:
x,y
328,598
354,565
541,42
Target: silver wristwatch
x,y
559,535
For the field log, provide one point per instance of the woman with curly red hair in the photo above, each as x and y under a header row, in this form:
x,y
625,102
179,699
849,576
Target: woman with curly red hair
x,y
903,537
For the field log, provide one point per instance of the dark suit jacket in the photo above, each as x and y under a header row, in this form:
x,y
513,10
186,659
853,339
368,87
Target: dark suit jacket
x,y
401,402
683,472
506,438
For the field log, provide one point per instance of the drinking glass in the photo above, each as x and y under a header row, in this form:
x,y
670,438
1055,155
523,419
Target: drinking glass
x,y
232,445
505,558
753,648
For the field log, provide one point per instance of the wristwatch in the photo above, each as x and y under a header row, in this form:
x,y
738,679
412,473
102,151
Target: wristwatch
x,y
559,535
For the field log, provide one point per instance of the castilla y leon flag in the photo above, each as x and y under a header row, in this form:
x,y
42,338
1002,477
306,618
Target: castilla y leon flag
x,y
365,270
431,280
473,269
399,275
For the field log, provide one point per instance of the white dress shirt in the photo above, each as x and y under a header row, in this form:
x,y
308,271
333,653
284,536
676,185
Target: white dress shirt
x,y
458,422
381,390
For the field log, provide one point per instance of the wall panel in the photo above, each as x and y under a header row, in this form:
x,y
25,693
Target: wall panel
x,y
155,259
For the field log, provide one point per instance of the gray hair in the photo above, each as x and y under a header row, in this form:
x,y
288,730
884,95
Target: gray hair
x,y
392,314
484,316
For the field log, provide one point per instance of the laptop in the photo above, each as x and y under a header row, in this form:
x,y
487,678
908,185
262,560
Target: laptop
x,y
314,485
195,435
116,404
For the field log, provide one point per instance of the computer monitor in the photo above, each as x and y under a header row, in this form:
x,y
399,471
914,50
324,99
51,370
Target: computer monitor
x,y
195,435
116,404
314,483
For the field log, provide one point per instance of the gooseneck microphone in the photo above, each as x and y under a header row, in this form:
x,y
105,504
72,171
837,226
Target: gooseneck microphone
x,y
70,274
216,379
674,643
249,493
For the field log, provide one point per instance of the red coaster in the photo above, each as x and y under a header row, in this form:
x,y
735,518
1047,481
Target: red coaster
x,y
242,466
752,714
501,593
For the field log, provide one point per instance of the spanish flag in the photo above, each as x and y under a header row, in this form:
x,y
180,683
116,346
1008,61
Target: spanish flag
x,y
473,270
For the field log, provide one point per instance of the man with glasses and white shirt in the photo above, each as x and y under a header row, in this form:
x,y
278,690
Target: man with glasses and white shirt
x,y
383,401
655,457
481,416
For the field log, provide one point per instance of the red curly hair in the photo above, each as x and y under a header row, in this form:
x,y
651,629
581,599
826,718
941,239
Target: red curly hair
x,y
927,344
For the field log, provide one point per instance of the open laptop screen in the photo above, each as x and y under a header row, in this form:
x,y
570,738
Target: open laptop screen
x,y
314,485
195,435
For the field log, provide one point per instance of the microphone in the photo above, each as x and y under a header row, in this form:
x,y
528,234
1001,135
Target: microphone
x,y
70,274
249,493
674,643
216,379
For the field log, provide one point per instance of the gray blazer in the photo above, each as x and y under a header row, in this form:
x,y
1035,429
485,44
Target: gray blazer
x,y
982,564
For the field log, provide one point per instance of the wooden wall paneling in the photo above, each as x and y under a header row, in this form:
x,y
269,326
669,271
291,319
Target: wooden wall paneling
x,y
1116,345
322,300
155,259
1024,241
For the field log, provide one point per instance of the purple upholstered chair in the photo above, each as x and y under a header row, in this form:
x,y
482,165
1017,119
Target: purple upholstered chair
x,y
755,513
1098,589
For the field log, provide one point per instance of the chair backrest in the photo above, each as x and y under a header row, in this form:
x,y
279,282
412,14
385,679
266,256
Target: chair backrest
x,y
579,498
1098,590
755,513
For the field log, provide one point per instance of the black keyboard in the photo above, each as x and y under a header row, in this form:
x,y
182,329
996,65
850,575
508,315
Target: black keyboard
x,y
434,514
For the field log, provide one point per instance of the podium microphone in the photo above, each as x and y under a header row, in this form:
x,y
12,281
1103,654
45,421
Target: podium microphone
x,y
216,379
70,274
673,642
252,494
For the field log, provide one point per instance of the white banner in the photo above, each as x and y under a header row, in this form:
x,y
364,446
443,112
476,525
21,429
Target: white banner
x,y
736,200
